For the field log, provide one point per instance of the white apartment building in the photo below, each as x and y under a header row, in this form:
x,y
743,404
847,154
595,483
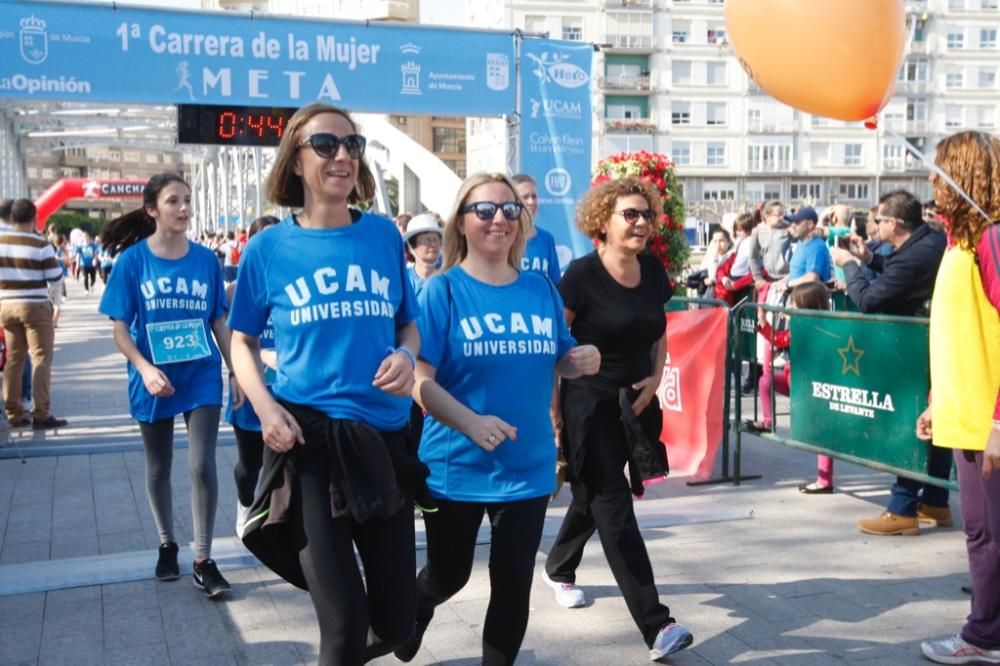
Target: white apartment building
x,y
667,81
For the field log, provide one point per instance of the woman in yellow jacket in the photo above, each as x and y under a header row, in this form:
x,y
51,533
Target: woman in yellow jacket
x,y
965,377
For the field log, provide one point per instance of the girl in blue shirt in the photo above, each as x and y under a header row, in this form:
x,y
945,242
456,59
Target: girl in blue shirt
x,y
333,282
168,306
493,337
246,424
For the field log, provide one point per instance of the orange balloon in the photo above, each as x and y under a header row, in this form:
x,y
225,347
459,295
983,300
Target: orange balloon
x,y
834,58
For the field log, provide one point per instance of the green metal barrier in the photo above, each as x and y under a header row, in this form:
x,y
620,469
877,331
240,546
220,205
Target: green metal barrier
x,y
859,382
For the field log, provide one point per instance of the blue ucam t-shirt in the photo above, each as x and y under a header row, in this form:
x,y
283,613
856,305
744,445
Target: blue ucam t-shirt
x,y
169,306
495,350
335,298
811,256
540,255
416,281
245,418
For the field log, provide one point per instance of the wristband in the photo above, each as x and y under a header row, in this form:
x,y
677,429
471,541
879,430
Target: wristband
x,y
413,359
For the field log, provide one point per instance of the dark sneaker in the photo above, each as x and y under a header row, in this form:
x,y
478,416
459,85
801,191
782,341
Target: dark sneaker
x,y
409,648
48,423
207,577
166,563
22,422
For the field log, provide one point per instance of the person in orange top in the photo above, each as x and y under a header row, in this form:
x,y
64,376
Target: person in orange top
x,y
965,377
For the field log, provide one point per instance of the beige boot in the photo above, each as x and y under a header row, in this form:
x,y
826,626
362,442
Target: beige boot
x,y
889,524
934,516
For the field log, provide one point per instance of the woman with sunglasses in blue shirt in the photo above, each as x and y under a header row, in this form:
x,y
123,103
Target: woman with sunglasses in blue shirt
x,y
333,282
614,299
494,337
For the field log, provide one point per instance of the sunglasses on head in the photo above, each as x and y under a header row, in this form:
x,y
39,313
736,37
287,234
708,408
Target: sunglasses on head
x,y
326,145
487,210
632,215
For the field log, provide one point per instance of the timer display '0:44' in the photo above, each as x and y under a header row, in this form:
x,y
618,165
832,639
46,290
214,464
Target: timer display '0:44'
x,y
231,125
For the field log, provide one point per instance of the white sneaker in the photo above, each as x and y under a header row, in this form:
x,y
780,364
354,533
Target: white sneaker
x,y
672,638
242,513
955,650
568,595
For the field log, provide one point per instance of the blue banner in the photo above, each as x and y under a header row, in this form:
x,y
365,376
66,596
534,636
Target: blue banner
x,y
555,136
101,53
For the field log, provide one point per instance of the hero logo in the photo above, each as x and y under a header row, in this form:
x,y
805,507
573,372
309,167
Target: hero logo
x,y
553,67
556,108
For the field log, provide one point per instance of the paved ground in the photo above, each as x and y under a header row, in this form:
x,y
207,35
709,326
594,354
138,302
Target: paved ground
x,y
760,573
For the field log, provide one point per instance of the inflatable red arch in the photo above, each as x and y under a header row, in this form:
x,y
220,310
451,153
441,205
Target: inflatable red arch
x,y
66,189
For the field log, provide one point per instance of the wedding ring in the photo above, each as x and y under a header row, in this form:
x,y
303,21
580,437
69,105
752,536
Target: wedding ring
x,y
493,439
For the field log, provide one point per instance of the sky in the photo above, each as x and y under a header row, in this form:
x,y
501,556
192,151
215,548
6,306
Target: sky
x,y
437,12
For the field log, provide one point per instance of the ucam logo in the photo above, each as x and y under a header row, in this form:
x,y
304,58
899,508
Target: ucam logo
x,y
556,108
553,67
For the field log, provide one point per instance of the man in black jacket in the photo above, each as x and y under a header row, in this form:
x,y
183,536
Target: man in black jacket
x,y
903,288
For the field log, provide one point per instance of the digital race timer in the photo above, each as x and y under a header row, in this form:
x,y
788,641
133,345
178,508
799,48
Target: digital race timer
x,y
232,125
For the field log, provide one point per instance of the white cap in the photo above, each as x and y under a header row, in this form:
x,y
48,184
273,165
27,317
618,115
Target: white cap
x,y
421,224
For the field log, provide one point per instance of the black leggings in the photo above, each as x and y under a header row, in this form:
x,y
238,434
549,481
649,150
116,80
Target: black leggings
x,y
250,447
89,277
354,626
516,529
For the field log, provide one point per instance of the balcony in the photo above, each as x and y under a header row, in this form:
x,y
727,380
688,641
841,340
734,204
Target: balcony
x,y
918,47
913,87
773,126
639,85
769,166
628,4
630,42
630,126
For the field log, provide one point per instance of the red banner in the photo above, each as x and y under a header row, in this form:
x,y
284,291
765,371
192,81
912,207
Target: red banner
x,y
691,391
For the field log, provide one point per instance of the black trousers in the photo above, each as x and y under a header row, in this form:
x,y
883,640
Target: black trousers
x,y
602,502
357,621
516,529
250,448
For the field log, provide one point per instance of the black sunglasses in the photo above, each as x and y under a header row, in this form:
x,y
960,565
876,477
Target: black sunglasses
x,y
326,145
486,210
632,215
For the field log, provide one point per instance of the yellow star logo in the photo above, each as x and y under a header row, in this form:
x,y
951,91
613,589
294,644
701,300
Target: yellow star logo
x,y
850,350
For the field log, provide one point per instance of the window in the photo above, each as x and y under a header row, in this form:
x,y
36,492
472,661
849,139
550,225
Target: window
x,y
820,153
769,158
449,139
852,154
914,71
536,24
986,115
681,31
953,115
458,166
152,158
892,156
916,110
715,154
716,36
629,29
854,191
680,152
956,40
989,4
718,193
987,78
954,79
680,113
715,113
48,173
572,29
681,72
806,191
754,119
622,111
988,38
956,4
715,73
131,156
763,191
